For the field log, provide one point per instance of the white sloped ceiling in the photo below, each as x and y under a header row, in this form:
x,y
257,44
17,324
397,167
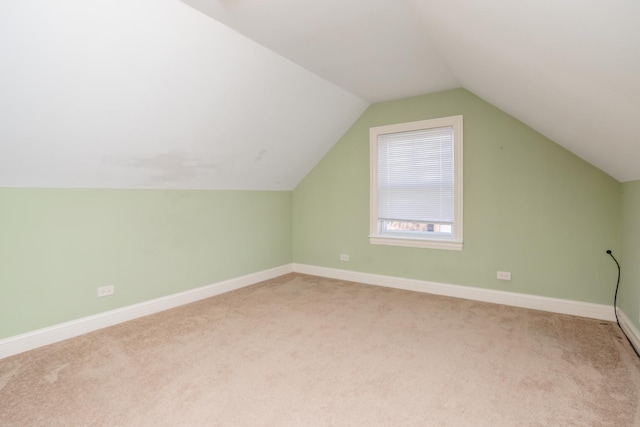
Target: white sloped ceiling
x,y
154,94
375,49
570,69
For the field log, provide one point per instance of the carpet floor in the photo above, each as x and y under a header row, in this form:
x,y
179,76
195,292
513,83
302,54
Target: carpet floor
x,y
308,351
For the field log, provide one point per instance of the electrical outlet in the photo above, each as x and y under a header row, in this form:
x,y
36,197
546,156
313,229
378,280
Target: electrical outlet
x,y
104,291
344,257
504,275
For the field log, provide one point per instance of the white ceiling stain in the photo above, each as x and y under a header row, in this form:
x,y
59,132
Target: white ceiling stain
x,y
173,166
260,155
250,94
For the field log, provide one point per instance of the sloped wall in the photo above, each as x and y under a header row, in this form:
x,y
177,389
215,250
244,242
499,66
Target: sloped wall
x,y
154,94
58,246
530,207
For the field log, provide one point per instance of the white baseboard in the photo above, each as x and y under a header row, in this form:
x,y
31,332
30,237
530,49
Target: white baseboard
x,y
555,305
629,328
30,340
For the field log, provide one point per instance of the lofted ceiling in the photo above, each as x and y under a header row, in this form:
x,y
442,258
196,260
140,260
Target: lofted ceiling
x,y
569,69
156,94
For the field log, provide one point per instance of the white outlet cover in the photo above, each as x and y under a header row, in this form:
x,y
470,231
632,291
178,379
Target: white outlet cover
x,y
503,275
104,291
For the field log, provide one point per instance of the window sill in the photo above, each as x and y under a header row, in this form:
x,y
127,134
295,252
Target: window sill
x,y
416,243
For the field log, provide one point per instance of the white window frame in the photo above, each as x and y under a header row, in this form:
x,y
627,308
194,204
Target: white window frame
x,y
376,236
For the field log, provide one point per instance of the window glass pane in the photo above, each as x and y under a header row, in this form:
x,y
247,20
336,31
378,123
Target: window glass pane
x,y
414,227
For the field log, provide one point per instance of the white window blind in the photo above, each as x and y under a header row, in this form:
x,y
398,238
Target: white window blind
x,y
416,175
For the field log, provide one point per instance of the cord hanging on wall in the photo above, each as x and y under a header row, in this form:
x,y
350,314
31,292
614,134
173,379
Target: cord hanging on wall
x,y
615,303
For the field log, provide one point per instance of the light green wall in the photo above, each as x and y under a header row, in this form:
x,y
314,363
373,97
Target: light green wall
x,y
530,207
629,293
58,246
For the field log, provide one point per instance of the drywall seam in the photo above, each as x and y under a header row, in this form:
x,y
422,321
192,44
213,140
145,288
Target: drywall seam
x,y
41,337
554,305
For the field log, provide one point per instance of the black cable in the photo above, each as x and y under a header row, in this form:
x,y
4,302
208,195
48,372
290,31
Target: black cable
x,y
615,305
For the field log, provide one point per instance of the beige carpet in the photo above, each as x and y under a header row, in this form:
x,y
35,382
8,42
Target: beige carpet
x,y
306,351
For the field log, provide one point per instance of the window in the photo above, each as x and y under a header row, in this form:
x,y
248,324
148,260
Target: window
x,y
416,184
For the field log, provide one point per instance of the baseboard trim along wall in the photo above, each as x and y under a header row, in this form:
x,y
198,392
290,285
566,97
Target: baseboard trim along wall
x,y
554,305
629,328
30,340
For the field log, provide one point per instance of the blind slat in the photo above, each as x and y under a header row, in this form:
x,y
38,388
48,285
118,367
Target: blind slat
x,y
416,175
